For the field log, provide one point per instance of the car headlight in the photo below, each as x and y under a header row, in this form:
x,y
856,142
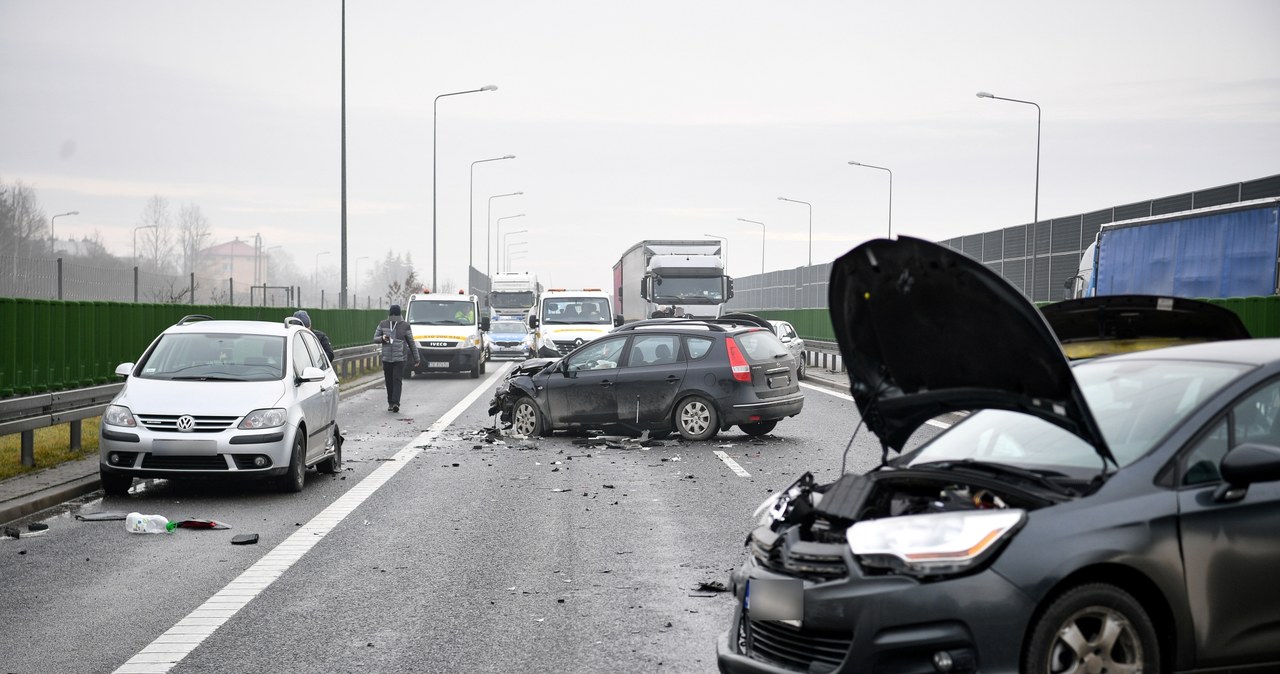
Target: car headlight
x,y
473,340
933,544
118,415
269,418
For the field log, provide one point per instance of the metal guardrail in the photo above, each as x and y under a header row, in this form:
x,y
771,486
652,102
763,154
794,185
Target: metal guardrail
x,y
27,414
824,354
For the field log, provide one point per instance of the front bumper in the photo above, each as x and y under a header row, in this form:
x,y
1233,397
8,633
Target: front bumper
x,y
519,350
144,453
448,360
881,625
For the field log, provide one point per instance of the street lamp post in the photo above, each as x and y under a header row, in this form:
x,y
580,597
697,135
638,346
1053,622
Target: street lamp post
x,y
315,276
797,201
488,232
854,163
724,250
762,237
54,219
135,240
514,251
504,247
356,290
471,219
983,94
434,107
498,230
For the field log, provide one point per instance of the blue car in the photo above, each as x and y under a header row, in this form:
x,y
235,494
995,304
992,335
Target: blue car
x,y
509,338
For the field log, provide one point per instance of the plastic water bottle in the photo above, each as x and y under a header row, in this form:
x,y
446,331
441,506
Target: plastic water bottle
x,y
137,523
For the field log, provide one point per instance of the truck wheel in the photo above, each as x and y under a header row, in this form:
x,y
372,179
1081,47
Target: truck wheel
x,y
475,371
696,419
482,363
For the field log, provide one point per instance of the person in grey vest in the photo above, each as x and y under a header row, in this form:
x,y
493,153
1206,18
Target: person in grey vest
x,y
396,338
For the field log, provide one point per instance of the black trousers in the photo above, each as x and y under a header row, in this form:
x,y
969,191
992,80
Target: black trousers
x,y
393,374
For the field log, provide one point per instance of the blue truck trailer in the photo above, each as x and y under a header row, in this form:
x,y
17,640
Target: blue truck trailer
x,y
1226,251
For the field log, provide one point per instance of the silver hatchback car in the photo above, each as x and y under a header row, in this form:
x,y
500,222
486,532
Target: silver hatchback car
x,y
787,335
223,398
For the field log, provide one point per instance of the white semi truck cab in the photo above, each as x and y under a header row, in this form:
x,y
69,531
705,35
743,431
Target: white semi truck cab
x,y
513,294
563,319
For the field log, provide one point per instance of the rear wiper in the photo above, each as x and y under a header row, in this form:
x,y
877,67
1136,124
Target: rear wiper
x,y
1038,477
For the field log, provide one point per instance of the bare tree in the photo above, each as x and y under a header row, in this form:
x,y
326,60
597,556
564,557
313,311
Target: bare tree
x,y
193,236
22,222
155,245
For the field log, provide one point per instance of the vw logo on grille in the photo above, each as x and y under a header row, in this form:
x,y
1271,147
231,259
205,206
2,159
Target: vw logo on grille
x,y
186,423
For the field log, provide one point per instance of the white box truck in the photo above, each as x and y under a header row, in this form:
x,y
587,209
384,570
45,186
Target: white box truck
x,y
512,294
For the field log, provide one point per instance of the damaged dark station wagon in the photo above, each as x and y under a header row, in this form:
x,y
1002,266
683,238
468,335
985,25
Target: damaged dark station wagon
x,y
694,377
1116,516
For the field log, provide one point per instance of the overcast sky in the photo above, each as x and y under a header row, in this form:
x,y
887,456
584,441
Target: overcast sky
x,y
661,119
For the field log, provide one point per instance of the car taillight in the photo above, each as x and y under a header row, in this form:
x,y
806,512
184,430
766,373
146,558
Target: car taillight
x,y
741,370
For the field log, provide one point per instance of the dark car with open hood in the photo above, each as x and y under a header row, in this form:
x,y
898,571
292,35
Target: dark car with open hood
x,y
1116,515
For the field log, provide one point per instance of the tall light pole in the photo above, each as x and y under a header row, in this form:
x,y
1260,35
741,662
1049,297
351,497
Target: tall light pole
x,y
762,237
342,292
471,218
983,94
135,240
498,230
854,163
724,250
513,250
434,107
504,246
797,201
54,219
356,292
315,276
488,231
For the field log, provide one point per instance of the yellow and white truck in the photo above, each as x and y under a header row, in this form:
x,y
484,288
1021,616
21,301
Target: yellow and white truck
x,y
448,331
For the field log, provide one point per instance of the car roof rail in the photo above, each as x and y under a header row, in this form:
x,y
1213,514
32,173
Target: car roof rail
x,y
741,317
192,318
669,322
293,320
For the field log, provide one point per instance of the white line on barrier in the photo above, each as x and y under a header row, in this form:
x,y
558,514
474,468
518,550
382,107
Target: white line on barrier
x,y
733,465
842,396
175,644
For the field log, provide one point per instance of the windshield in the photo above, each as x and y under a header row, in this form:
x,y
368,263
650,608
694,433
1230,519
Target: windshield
x,y
219,356
577,310
508,328
441,312
1135,402
508,300
700,289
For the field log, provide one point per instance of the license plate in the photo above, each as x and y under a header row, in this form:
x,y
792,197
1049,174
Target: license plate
x,y
779,382
437,363
781,599
184,447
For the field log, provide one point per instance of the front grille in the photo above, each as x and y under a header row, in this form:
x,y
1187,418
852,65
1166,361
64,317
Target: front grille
x,y
792,647
818,562
215,462
501,343
168,423
436,344
564,346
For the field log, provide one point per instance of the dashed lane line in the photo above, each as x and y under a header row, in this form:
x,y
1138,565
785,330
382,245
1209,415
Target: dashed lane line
x,y
843,396
175,644
733,465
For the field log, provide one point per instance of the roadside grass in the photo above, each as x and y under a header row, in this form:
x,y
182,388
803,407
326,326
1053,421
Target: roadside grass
x,y
50,447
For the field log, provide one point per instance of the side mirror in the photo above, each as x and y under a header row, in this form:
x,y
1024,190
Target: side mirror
x,y
617,321
123,369
646,287
1249,463
533,322
484,323
311,374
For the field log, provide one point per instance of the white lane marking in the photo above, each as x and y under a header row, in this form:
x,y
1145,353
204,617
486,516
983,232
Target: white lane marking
x,y
733,465
171,647
931,422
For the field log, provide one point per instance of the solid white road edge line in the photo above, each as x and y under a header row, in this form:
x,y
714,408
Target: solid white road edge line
x,y
171,647
931,422
733,465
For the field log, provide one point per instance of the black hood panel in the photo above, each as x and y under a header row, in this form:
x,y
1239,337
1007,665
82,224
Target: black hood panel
x,y
926,330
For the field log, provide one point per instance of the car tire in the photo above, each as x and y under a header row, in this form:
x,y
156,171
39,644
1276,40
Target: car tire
x,y
482,363
1087,613
758,428
295,478
475,371
333,464
696,419
115,484
526,420
800,369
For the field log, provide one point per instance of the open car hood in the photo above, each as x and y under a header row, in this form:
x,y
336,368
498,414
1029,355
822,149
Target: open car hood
x,y
926,330
1100,326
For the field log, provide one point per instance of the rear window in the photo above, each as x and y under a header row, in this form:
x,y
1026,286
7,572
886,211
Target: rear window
x,y
760,346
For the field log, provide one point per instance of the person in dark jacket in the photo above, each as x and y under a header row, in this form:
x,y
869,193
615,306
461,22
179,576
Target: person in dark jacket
x,y
396,338
302,315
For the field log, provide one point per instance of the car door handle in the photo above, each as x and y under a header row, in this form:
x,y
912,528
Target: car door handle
x,y
672,379
606,383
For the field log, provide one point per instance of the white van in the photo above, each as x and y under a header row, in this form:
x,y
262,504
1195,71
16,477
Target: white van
x,y
563,320
449,332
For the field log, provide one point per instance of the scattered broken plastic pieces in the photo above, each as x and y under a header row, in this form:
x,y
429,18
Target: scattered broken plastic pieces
x,y
245,539
559,491
12,532
102,516
725,446
37,526
200,524
608,486
711,586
